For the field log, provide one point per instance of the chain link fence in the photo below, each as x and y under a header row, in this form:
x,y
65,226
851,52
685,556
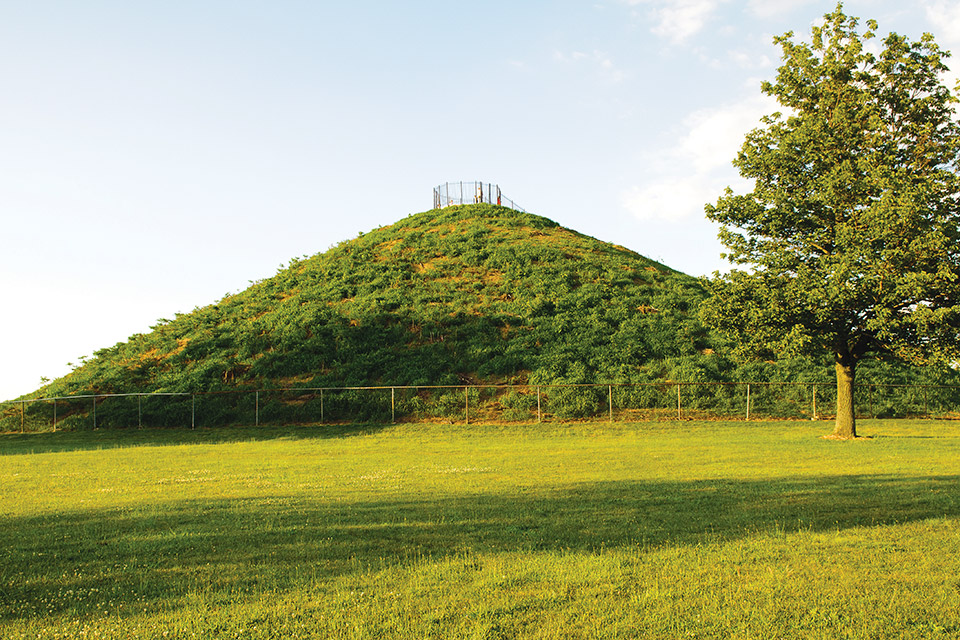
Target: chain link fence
x,y
666,401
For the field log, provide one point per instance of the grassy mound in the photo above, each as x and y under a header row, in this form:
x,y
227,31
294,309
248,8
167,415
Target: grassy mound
x,y
456,296
465,293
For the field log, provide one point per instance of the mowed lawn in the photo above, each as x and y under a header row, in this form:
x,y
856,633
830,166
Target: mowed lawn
x,y
658,530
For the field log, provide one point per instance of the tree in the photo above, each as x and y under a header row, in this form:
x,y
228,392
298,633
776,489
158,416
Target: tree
x,y
850,238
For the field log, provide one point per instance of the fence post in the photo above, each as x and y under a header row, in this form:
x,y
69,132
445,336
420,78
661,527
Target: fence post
x,y
139,411
814,403
23,406
256,422
54,414
94,413
193,411
610,400
539,416
679,410
393,406
748,402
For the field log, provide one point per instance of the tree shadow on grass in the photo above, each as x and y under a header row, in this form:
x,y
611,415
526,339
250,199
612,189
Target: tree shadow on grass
x,y
80,563
65,441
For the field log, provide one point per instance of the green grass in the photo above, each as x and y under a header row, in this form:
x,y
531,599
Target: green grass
x,y
703,530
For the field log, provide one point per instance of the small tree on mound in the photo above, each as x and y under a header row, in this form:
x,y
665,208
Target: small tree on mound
x,y
850,238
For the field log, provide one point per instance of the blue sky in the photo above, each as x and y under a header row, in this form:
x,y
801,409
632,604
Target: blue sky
x,y
157,155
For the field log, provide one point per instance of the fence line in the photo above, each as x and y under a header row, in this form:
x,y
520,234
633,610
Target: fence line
x,y
504,402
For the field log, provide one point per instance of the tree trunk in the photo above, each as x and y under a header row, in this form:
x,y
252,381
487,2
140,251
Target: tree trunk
x,y
846,426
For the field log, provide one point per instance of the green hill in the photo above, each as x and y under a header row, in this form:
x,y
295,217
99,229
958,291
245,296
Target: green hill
x,y
454,296
468,293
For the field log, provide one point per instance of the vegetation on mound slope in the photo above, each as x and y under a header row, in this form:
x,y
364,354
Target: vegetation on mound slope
x,y
474,292
460,295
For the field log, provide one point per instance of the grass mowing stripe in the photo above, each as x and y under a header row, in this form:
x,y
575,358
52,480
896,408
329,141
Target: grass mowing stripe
x,y
700,529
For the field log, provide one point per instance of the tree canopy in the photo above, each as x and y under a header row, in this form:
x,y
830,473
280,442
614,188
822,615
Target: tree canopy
x,y
848,241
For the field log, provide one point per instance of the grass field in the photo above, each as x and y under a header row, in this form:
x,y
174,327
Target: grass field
x,y
660,530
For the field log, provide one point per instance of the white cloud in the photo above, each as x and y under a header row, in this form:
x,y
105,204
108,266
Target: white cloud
x,y
714,135
775,8
946,17
678,20
682,19
670,199
600,61
697,169
748,60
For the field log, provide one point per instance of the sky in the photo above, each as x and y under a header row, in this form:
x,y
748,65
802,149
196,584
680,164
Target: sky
x,y
158,155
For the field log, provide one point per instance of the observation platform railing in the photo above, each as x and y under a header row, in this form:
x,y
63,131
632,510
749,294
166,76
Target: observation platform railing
x,y
449,194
